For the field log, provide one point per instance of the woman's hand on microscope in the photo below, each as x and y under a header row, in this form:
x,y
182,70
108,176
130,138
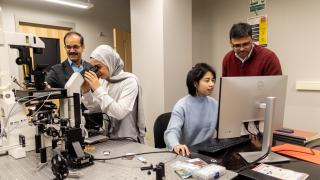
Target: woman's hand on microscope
x,y
92,79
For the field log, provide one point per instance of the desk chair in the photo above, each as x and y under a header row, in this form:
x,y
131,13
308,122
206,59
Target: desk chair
x,y
160,125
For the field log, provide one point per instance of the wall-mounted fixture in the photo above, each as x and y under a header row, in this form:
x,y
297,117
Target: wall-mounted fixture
x,y
308,85
74,3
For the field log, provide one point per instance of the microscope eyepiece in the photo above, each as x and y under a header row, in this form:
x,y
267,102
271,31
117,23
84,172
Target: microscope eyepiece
x,y
94,69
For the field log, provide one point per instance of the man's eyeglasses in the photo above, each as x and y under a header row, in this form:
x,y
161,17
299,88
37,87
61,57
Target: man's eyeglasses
x,y
243,45
69,47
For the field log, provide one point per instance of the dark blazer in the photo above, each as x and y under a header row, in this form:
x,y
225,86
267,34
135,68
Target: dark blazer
x,y
59,74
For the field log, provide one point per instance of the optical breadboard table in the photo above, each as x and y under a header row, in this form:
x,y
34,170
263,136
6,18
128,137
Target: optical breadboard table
x,y
116,169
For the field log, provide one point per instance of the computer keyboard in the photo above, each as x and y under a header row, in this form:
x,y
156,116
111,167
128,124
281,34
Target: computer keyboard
x,y
223,144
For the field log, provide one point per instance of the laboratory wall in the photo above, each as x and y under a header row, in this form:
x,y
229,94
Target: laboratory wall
x,y
293,28
161,52
147,56
94,24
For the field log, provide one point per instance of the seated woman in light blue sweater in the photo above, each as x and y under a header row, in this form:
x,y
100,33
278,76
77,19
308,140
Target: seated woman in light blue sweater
x,y
194,117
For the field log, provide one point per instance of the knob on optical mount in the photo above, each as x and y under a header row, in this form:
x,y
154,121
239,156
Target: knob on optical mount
x,y
59,167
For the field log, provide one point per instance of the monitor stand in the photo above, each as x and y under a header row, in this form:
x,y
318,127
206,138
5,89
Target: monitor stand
x,y
267,139
271,158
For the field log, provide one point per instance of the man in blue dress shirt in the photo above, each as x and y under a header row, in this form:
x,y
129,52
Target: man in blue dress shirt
x,y
59,74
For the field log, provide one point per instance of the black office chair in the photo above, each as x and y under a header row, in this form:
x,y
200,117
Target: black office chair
x,y
160,125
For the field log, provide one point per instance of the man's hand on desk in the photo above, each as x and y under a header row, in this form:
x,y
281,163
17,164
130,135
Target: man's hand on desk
x,y
181,149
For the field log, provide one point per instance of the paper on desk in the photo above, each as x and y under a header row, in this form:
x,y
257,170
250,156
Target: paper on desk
x,y
299,152
280,173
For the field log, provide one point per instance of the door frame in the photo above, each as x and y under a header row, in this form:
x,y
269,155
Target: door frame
x,y
53,23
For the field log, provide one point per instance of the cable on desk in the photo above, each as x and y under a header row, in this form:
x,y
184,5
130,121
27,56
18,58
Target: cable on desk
x,y
252,163
266,154
123,139
223,156
315,146
114,163
135,154
171,159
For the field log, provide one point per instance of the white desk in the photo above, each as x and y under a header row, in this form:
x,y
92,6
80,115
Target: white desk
x,y
117,169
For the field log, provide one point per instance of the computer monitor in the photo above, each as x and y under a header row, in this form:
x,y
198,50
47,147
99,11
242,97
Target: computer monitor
x,y
242,100
252,98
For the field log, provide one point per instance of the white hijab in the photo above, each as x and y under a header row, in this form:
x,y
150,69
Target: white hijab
x,y
109,57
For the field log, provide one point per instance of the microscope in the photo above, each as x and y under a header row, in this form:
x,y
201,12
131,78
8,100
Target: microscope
x,y
27,115
16,136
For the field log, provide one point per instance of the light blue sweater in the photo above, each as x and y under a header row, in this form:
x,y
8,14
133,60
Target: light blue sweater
x,y
193,121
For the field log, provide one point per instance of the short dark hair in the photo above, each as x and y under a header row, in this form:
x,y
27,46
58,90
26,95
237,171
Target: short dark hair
x,y
240,30
73,33
195,74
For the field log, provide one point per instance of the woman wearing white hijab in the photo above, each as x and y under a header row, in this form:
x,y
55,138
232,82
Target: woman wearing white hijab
x,y
114,92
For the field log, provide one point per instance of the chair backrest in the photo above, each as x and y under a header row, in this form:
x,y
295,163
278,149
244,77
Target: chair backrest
x,y
159,127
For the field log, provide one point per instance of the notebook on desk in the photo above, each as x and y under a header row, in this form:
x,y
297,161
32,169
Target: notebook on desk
x,y
296,137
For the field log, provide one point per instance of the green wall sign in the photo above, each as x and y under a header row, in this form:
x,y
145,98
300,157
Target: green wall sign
x,y
257,5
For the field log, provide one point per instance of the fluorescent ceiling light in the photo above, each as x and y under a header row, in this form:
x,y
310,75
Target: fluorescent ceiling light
x,y
73,3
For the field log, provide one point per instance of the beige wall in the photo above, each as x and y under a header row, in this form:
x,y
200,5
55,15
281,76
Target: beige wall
x,y
162,50
101,18
147,56
177,49
292,33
